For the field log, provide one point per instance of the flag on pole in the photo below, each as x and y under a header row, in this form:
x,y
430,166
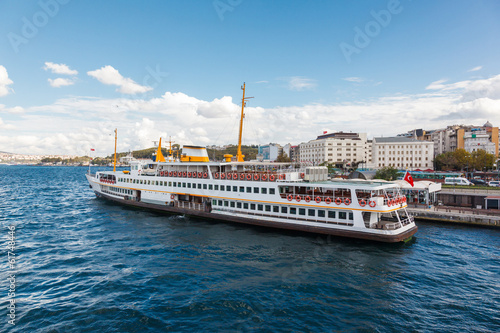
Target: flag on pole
x,y
324,132
408,178
92,149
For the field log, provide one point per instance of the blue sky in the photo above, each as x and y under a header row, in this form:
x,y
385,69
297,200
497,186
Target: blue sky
x,y
71,71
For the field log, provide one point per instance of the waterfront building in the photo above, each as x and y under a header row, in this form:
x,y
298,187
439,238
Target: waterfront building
x,y
402,153
270,152
337,148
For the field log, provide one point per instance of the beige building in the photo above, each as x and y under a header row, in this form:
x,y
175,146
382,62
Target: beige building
x,y
336,148
402,153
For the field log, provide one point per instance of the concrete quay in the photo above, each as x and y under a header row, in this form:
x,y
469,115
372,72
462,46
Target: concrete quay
x,y
460,215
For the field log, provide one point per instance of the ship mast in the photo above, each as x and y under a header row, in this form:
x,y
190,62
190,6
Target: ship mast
x,y
114,163
239,155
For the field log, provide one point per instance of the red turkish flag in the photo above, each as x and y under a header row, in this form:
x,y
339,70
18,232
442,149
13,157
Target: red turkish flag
x,y
408,178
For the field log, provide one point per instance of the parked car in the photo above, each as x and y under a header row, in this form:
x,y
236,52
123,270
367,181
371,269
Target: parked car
x,y
495,183
479,182
457,181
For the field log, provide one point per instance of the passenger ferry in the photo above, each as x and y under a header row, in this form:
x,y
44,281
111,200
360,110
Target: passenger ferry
x,y
277,195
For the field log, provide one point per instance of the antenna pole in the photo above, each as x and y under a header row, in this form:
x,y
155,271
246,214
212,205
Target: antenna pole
x,y
239,155
114,164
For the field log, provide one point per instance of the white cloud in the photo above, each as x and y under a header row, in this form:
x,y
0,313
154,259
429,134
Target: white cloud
x,y
110,76
74,125
354,79
477,68
59,82
4,82
59,69
6,126
298,83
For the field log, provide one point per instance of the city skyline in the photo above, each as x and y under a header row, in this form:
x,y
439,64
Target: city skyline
x,y
71,72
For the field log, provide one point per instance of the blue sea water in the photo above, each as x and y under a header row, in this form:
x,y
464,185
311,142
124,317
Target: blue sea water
x,y
85,265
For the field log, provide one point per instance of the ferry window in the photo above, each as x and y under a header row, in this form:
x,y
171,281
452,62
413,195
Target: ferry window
x,y
268,208
235,188
302,211
311,212
249,190
245,205
342,215
175,184
156,183
189,185
183,184
238,205
276,209
271,191
141,181
149,182
226,203
284,210
233,204
228,188
260,207
293,210
169,183
214,202
220,202
179,184
210,186
351,216
263,190
331,214
252,206
199,186
242,188
216,187
204,186
255,190
321,213
221,187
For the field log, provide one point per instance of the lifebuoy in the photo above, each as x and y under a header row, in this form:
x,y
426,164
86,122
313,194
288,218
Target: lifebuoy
x,y
328,201
161,173
172,196
256,177
194,174
249,177
338,201
282,177
318,199
302,175
216,175
174,174
347,201
184,174
362,202
228,176
290,197
222,175
389,202
189,174
205,175
308,198
242,176
404,199
170,173
235,176
298,198
372,203
271,178
200,174
264,177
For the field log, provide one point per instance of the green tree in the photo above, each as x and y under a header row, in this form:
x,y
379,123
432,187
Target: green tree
x,y
482,161
387,173
462,158
445,161
283,158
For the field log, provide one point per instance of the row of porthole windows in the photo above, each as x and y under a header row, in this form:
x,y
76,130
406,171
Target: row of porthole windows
x,y
229,188
121,190
310,212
